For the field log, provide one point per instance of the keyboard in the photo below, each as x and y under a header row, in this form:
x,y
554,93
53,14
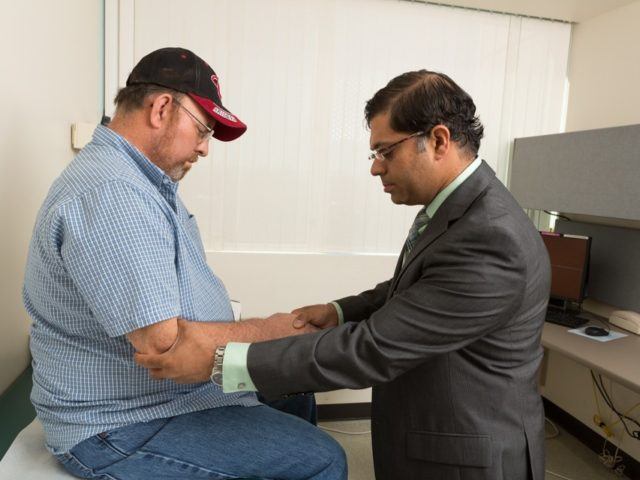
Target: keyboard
x,y
566,319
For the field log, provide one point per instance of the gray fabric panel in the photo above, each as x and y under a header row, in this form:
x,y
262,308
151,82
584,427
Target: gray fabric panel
x,y
593,172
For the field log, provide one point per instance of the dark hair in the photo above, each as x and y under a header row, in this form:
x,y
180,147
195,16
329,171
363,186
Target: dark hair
x,y
133,97
418,101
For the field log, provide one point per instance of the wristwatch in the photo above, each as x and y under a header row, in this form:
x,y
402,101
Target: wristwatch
x,y
216,373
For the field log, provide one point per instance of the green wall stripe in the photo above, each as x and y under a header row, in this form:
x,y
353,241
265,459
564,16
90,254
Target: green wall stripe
x,y
16,411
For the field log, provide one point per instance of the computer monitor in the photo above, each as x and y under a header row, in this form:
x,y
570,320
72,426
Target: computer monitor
x,y
569,255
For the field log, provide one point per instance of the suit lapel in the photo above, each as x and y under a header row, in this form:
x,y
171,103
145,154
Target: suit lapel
x,y
451,210
437,226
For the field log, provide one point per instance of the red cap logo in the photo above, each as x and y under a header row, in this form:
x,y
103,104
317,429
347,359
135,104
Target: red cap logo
x,y
214,80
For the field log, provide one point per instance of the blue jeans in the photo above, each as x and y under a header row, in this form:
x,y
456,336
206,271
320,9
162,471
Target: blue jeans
x,y
302,405
220,443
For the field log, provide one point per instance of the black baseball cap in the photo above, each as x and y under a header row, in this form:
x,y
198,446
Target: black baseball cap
x,y
182,70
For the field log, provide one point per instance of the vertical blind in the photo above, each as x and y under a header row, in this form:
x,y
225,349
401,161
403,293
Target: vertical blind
x,y
299,73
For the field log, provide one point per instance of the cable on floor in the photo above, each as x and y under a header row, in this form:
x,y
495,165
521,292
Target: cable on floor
x,y
614,462
343,431
555,433
558,475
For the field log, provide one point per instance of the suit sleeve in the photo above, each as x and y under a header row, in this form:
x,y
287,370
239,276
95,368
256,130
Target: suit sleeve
x,y
359,307
460,297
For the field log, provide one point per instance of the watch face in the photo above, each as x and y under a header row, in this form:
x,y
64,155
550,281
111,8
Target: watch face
x,y
217,378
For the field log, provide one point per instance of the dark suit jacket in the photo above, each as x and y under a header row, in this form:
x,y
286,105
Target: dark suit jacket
x,y
451,345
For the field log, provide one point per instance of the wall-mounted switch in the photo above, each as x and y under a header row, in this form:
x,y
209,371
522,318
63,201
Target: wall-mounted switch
x,y
81,134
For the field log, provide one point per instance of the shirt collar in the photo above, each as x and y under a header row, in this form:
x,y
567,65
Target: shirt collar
x,y
439,199
153,173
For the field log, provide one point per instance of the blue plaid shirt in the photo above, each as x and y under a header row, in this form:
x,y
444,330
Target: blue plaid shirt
x,y
113,250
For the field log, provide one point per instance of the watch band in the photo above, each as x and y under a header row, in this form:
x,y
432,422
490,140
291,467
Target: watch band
x,y
218,359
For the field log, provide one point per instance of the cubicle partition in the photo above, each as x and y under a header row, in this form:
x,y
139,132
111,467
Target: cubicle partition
x,y
593,172
592,179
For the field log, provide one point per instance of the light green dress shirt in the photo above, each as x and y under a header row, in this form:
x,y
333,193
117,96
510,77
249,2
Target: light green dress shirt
x,y
235,374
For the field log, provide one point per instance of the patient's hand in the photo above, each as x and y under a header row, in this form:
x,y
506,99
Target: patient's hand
x,y
190,359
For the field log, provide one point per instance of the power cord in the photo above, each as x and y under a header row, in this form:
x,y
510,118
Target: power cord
x,y
558,475
344,432
610,461
559,215
614,462
556,431
623,418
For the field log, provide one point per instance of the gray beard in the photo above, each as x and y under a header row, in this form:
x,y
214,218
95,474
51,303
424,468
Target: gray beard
x,y
176,173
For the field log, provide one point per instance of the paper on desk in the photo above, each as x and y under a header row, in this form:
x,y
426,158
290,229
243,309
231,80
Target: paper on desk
x,y
607,338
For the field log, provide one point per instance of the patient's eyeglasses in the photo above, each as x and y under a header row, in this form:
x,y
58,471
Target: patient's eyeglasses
x,y
204,133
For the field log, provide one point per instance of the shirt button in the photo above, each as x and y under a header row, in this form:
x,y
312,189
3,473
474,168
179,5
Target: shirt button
x,y
242,385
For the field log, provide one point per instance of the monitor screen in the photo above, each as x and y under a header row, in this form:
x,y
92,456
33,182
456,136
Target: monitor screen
x,y
569,255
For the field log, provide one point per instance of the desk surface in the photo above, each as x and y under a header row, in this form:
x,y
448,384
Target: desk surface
x,y
618,359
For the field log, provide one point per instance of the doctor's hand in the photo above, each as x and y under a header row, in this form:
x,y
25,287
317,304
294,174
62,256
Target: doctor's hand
x,y
322,316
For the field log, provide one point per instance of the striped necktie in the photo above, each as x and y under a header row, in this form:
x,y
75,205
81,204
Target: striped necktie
x,y
414,232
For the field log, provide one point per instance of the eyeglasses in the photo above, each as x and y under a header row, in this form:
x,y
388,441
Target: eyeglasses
x,y
381,153
204,133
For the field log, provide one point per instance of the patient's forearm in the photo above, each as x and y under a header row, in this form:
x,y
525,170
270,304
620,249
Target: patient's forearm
x,y
191,358
248,331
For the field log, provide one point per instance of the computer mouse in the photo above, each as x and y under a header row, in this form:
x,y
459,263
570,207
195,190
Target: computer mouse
x,y
596,332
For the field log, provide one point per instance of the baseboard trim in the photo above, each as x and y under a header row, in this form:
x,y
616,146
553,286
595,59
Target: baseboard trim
x,y
587,436
344,411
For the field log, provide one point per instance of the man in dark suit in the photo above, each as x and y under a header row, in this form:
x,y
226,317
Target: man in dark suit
x,y
450,344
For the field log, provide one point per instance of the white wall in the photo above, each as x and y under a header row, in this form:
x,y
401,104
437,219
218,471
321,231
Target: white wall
x,y
51,77
266,283
604,76
279,282
299,74
604,70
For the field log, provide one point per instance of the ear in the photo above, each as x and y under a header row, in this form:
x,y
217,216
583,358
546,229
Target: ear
x,y
161,110
440,139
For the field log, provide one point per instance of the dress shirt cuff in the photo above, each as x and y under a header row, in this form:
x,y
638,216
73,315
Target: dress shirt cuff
x,y
235,374
340,314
